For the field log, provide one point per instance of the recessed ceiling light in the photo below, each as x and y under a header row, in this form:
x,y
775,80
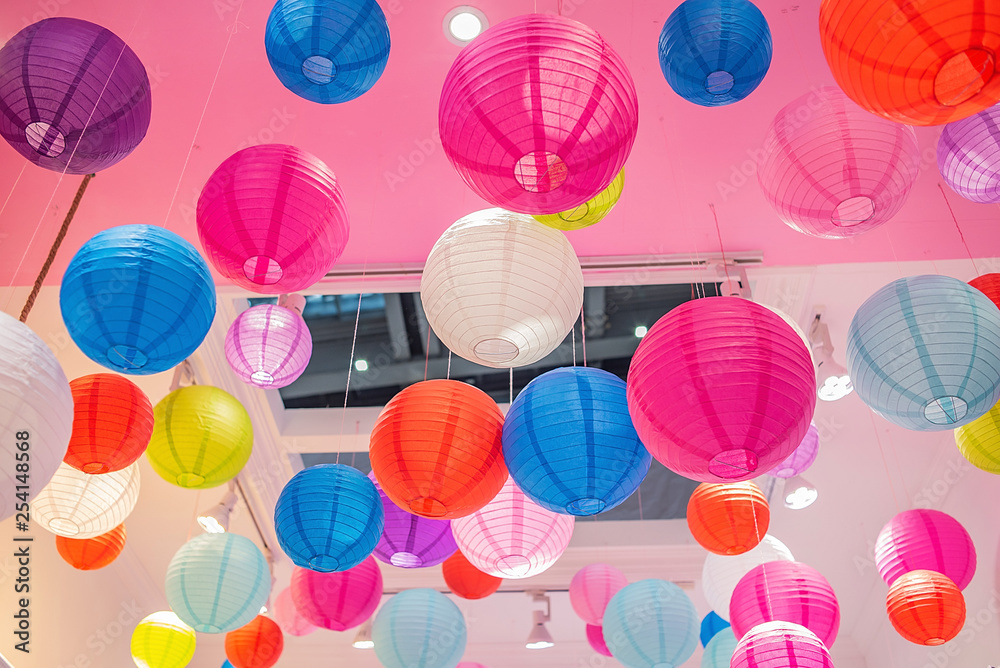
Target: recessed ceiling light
x,y
463,24
640,331
361,365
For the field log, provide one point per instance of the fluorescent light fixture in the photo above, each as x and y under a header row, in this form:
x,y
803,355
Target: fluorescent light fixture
x,y
361,365
363,638
832,379
463,24
640,331
799,493
216,519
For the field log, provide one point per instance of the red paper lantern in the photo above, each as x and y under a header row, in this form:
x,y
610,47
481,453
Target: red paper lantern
x,y
436,449
728,519
256,645
112,423
89,554
926,607
465,580
989,285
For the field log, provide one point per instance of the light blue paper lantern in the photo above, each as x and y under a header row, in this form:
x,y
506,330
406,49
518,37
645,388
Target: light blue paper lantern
x,y
569,442
218,582
329,518
651,624
137,299
924,353
715,52
327,51
419,628
719,650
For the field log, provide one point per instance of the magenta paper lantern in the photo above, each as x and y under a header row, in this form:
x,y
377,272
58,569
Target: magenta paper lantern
x,y
272,219
288,617
512,536
802,457
968,155
780,645
721,389
412,541
340,600
922,539
538,114
595,636
785,591
268,346
591,589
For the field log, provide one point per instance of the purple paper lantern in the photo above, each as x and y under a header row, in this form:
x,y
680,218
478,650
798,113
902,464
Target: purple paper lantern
x,y
968,156
538,114
74,97
803,456
411,541
268,346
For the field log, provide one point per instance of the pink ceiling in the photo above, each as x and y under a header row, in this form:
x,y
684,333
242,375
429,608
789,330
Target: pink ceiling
x,y
401,190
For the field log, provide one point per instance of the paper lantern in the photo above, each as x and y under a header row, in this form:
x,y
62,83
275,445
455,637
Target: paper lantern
x,y
420,625
920,64
651,623
512,536
923,539
924,353
968,156
786,591
779,645
595,638
74,98
78,505
979,441
288,616
328,518
411,541
470,664
711,625
721,390
272,219
569,442
538,114
802,457
500,289
218,582
112,423
715,52
202,437
341,600
257,645
162,640
137,299
926,608
436,449
989,285
90,554
465,580
728,519
721,574
590,212
831,170
719,650
36,414
591,589
268,346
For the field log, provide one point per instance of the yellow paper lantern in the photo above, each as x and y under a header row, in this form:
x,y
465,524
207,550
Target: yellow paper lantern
x,y
202,437
162,640
590,212
979,441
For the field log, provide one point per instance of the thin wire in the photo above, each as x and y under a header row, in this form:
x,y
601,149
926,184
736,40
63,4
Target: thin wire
x,y
350,364
573,334
639,493
24,165
961,236
583,334
892,486
718,233
194,515
767,588
448,375
511,395
892,247
427,350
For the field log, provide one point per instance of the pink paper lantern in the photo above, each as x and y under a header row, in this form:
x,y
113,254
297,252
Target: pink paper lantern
x,y
721,390
595,636
470,664
591,589
512,536
801,458
268,346
288,617
272,219
785,591
538,114
340,600
780,645
923,539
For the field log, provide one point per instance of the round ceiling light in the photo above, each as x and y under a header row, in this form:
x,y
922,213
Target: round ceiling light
x,y
463,24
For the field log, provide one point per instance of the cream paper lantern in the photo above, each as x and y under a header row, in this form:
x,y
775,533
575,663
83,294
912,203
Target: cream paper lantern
x,y
36,414
81,505
721,574
502,289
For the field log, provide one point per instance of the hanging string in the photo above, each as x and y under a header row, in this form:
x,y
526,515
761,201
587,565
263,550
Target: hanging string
x,y
583,333
448,375
718,233
427,350
639,493
961,236
510,399
573,335
885,464
24,165
767,588
350,363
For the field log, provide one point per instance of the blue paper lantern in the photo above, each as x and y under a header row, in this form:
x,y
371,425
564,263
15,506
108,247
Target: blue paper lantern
x,y
711,624
327,51
651,623
924,353
329,518
137,299
569,442
419,628
218,582
715,52
720,649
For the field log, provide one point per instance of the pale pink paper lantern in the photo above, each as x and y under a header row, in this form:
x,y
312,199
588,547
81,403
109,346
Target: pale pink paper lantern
x,y
591,589
470,664
801,458
595,636
288,617
268,346
922,539
340,600
512,536
780,645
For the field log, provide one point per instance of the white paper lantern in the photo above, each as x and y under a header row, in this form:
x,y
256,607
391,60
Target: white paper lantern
x,y
36,408
721,573
80,505
501,289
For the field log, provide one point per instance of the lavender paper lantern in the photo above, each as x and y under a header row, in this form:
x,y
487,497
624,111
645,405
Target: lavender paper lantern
x,y
923,539
832,170
268,346
780,645
412,541
968,155
74,97
538,114
802,457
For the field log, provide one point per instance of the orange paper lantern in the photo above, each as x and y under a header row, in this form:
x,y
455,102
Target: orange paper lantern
x,y
89,554
728,519
989,285
436,449
256,645
112,423
465,580
926,608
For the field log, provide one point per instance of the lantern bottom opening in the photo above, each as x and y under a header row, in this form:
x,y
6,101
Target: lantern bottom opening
x,y
324,563
406,560
853,211
945,410
262,378
427,506
586,506
190,480
95,468
576,214
540,171
45,139
514,565
719,82
495,351
262,270
963,76
734,463
319,70
126,357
